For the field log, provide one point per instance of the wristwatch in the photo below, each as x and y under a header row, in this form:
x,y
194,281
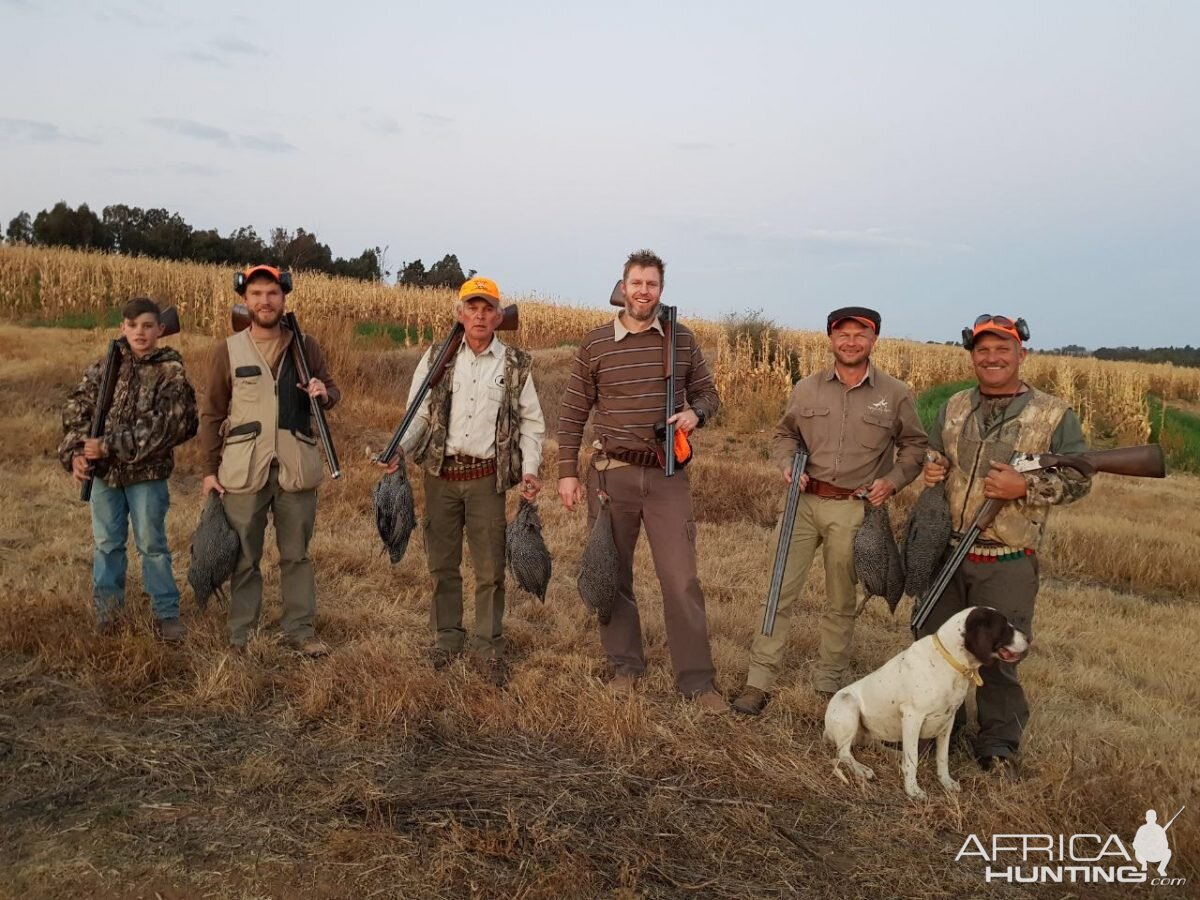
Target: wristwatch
x,y
700,417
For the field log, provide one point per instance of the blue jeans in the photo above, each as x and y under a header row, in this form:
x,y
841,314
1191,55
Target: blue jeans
x,y
145,504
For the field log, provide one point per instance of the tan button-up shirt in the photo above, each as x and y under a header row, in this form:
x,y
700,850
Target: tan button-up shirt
x,y
476,395
853,434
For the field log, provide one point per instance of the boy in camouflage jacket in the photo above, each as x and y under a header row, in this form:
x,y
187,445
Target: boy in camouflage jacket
x,y
153,411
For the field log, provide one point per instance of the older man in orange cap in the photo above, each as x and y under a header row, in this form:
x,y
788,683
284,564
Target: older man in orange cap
x,y
478,433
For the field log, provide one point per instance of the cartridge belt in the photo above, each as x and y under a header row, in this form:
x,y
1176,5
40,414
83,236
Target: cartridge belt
x,y
466,468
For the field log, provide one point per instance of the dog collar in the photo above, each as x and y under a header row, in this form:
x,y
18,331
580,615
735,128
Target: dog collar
x,y
967,672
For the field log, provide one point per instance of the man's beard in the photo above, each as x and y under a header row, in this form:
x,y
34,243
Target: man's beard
x,y
640,316
262,322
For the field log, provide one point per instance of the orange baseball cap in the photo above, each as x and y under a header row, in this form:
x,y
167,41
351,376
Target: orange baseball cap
x,y
479,289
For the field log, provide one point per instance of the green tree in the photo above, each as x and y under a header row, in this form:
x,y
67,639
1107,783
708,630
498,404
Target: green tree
x,y
413,273
62,226
446,272
20,229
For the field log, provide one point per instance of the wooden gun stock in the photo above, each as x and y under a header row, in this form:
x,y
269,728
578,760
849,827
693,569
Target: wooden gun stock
x,y
1141,461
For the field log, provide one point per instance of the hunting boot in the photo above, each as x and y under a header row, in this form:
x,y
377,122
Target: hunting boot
x,y
752,701
171,630
311,647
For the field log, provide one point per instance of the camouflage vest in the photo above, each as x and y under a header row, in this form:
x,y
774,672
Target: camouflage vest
x,y
431,451
1019,524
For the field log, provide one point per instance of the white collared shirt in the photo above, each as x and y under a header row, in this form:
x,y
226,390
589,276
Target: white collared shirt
x,y
476,395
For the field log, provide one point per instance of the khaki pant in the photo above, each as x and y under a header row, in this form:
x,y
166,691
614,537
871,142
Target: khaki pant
x,y
294,515
830,525
1010,587
645,496
452,507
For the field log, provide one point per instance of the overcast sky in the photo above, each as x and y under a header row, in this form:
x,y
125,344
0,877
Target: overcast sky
x,y
933,160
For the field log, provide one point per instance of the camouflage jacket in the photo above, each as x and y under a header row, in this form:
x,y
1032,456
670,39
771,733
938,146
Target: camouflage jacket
x,y
1033,422
153,411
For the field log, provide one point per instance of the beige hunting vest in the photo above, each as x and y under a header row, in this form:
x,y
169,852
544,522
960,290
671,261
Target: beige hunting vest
x,y
1019,524
431,451
252,437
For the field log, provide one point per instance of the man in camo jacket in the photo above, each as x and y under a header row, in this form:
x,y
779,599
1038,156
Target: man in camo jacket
x,y
974,437
153,411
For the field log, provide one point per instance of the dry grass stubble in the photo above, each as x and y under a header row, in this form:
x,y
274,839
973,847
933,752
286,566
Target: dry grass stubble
x,y
129,767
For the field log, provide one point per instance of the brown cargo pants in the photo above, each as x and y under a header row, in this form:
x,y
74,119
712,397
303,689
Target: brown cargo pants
x,y
829,525
1009,587
473,507
294,515
644,495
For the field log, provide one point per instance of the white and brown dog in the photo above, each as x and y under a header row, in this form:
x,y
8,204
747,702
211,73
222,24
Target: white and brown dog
x,y
914,694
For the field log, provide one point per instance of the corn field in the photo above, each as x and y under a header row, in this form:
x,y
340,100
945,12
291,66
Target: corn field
x,y
753,376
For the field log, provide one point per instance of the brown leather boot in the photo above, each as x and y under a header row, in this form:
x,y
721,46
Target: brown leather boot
x,y
752,701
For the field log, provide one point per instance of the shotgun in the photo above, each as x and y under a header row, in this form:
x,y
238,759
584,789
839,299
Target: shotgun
x,y
1142,461
437,368
799,461
169,319
240,319
668,316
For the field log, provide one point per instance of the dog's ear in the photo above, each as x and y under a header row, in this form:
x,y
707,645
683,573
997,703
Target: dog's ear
x,y
984,631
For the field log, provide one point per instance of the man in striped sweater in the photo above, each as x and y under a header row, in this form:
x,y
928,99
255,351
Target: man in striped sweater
x,y
618,373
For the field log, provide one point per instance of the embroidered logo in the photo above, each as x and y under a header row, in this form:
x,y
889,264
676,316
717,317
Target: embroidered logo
x,y
879,406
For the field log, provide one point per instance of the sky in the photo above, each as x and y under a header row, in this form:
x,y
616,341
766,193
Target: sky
x,y
933,160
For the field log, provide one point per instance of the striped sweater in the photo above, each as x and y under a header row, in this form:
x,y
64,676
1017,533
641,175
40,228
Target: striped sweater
x,y
620,374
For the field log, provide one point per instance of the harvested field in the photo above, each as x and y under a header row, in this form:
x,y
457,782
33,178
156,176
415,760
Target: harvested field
x,y
131,769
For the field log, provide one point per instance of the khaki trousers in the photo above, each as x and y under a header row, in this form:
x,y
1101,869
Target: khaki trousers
x,y
294,515
830,525
645,496
473,507
1009,587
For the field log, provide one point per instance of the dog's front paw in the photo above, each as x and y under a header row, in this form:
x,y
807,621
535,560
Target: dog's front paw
x,y
951,785
914,792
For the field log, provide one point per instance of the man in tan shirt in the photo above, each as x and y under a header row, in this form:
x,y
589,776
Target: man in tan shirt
x,y
865,442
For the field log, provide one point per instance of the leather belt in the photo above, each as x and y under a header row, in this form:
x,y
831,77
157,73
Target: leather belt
x,y
827,491
466,468
647,458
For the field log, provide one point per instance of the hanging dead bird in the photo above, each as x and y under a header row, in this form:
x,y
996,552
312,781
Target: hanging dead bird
x,y
528,558
925,539
214,552
877,558
394,516
598,567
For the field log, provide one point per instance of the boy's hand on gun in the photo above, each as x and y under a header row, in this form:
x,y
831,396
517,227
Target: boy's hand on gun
x,y
81,469
93,448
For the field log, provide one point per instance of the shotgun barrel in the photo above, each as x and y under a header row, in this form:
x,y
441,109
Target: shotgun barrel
x,y
300,357
1140,461
799,461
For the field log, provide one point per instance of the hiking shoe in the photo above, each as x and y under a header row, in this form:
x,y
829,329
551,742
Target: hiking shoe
x,y
311,647
494,670
440,657
623,683
172,630
711,702
752,701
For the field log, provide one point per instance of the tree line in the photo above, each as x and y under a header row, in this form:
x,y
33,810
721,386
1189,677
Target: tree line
x,y
159,233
